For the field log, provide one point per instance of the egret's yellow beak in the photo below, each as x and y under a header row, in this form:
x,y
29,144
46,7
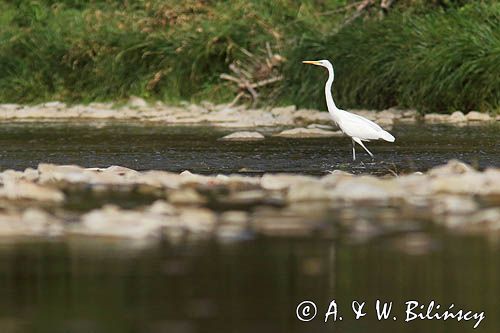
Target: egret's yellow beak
x,y
317,63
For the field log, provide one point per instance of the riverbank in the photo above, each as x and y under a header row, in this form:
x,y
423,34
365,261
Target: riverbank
x,y
437,55
117,202
222,115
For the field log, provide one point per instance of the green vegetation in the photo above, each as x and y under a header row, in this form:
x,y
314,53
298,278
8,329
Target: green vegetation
x,y
431,55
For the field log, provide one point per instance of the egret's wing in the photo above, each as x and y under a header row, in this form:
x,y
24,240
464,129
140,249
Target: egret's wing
x,y
362,128
362,120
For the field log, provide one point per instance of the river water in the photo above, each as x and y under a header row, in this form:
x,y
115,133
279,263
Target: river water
x,y
96,285
417,148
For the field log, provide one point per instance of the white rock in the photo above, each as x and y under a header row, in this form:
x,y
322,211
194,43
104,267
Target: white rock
x,y
478,116
111,221
307,192
137,102
185,196
16,190
453,167
453,204
436,118
308,133
312,116
457,117
243,136
234,217
198,220
367,188
162,207
283,181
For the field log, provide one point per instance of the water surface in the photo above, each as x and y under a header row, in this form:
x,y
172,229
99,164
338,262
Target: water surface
x,y
98,285
417,148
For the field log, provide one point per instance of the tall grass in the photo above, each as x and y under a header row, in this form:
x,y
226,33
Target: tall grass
x,y
106,50
433,62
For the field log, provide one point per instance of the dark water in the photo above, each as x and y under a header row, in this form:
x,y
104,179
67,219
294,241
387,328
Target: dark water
x,y
241,287
84,285
417,148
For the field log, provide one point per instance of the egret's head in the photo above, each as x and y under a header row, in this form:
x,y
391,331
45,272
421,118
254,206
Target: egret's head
x,y
322,63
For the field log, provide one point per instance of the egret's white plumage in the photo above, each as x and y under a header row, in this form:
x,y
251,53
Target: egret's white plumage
x,y
358,128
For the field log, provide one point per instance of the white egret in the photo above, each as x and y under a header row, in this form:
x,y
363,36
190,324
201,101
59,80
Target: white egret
x,y
358,128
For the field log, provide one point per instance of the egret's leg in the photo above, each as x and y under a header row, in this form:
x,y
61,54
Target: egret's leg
x,y
362,145
353,150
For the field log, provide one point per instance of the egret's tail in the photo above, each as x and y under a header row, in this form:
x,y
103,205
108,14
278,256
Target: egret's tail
x,y
387,136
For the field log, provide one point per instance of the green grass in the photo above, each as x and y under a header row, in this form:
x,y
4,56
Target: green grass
x,y
430,57
435,62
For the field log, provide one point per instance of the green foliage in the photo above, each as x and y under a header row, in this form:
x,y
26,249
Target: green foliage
x,y
445,57
435,62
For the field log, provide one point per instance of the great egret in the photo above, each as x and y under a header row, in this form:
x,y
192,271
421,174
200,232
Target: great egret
x,y
358,128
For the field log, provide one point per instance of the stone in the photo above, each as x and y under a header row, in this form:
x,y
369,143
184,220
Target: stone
x,y
469,183
388,114
234,217
488,219
198,220
111,221
435,118
62,173
41,223
307,192
457,117
453,167
186,196
21,189
321,126
137,102
283,110
367,188
478,116
243,136
283,181
453,204
308,133
31,222
305,116
162,207
246,198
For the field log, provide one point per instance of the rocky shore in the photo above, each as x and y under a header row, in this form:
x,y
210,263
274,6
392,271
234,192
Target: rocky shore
x,y
220,115
71,201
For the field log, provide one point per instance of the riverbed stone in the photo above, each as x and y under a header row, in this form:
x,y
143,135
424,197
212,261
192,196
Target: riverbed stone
x,y
22,189
453,204
238,217
478,116
137,102
307,192
436,118
111,221
198,220
366,188
162,207
282,181
186,196
452,167
457,117
31,222
301,133
305,116
243,136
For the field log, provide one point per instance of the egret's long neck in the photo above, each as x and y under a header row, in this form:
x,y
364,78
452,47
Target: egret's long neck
x,y
332,108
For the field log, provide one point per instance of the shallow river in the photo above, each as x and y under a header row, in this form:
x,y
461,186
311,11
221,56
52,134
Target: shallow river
x,y
197,149
252,285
